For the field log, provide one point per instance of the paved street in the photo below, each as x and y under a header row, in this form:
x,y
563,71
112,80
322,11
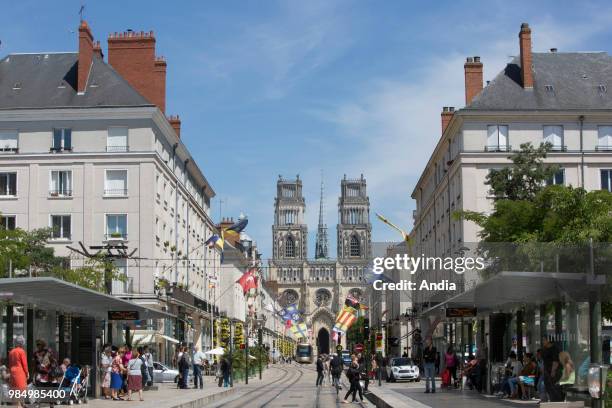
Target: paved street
x,y
286,386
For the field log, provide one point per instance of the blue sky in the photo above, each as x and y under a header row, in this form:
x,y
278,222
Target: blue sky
x,y
348,87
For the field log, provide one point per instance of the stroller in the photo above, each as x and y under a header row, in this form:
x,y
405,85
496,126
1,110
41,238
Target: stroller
x,y
74,385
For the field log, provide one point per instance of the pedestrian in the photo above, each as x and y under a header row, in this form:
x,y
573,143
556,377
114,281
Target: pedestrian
x,y
18,367
183,366
225,373
117,370
106,361
320,370
145,371
552,369
336,366
451,361
127,356
135,369
429,359
198,367
148,356
352,374
42,364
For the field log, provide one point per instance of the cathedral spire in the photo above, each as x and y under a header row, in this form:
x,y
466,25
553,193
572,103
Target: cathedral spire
x,y
321,244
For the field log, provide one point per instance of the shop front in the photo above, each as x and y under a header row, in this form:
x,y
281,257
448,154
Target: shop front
x,y
72,321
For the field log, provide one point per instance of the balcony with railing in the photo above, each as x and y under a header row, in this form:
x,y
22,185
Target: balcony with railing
x,y
60,193
116,236
115,192
603,148
498,148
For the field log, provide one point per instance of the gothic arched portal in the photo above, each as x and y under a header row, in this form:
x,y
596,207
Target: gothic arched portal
x,y
323,341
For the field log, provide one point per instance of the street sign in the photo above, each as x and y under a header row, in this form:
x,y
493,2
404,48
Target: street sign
x,y
123,315
461,312
358,348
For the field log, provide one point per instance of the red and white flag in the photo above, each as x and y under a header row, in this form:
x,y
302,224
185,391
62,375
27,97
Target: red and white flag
x,y
248,281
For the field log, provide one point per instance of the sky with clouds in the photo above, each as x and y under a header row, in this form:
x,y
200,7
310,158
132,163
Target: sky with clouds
x,y
345,87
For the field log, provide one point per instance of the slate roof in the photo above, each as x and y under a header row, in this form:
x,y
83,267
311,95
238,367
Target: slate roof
x,y
562,81
49,80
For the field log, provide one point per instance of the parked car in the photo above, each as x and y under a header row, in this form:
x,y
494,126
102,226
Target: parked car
x,y
165,374
346,358
401,368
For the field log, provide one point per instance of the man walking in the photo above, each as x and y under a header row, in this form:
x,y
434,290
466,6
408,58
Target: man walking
x,y
320,369
429,360
336,366
148,356
198,366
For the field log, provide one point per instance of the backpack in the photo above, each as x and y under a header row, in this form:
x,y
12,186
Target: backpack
x,y
143,369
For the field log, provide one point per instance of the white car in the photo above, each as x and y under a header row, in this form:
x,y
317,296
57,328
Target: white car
x,y
401,368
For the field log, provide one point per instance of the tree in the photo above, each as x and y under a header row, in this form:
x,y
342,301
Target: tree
x,y
528,213
27,252
525,177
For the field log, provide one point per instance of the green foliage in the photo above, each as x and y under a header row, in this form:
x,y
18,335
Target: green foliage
x,y
29,253
354,334
525,177
528,213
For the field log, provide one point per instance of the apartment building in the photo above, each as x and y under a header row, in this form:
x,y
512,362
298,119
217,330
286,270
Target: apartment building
x,y
87,149
556,97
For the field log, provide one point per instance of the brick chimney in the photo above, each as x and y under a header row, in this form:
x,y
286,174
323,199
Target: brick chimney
x,y
97,50
132,55
526,63
473,78
447,115
85,56
175,122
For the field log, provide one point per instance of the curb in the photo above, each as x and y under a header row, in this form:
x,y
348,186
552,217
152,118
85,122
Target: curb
x,y
197,403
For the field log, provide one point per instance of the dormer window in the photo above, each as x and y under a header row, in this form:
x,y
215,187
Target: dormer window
x,y
62,140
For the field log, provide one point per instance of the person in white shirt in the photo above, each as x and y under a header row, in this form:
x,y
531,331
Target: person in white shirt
x,y
148,356
198,366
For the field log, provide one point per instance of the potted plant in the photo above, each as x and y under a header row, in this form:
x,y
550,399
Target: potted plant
x,y
116,235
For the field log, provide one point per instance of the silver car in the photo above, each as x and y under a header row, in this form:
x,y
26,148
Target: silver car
x,y
165,374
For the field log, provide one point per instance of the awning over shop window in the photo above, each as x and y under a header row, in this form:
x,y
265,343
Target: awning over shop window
x,y
509,289
142,337
52,293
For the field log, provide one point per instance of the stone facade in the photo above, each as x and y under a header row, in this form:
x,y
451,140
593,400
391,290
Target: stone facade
x,y
320,286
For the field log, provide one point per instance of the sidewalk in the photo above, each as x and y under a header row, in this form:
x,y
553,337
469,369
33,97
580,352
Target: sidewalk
x,y
409,395
168,396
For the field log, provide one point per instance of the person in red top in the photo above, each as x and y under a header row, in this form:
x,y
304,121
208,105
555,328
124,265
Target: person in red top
x,y
18,366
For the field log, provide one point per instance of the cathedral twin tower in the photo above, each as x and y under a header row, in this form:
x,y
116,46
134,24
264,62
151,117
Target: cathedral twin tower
x,y
320,285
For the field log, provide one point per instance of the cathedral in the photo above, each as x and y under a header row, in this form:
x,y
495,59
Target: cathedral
x,y
320,286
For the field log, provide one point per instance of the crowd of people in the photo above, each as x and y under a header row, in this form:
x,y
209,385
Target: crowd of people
x,y
125,370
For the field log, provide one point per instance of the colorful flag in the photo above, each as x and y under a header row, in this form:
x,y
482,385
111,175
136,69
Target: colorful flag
x,y
235,229
335,336
248,281
352,301
290,312
299,330
345,319
214,240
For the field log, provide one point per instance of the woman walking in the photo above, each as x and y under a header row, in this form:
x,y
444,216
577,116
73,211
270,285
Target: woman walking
x,y
451,360
135,369
353,376
106,362
18,366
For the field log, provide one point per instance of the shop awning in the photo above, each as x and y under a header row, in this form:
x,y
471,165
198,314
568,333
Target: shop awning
x,y
509,289
52,293
150,337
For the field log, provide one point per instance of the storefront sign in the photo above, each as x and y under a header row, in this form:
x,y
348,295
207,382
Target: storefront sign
x,y
461,312
123,315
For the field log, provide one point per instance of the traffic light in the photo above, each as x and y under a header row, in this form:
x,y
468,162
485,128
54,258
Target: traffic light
x,y
259,337
366,328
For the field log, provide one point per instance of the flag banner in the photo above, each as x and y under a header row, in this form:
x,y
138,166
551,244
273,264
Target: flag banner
x,y
334,335
299,330
345,319
405,236
290,312
248,281
352,301
235,229
214,240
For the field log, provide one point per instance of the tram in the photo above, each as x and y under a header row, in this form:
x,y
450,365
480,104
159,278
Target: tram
x,y
303,353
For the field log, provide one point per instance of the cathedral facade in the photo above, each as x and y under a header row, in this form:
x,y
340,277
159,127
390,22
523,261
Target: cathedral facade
x,y
320,285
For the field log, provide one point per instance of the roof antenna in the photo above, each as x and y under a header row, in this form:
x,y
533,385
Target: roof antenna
x,y
81,12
